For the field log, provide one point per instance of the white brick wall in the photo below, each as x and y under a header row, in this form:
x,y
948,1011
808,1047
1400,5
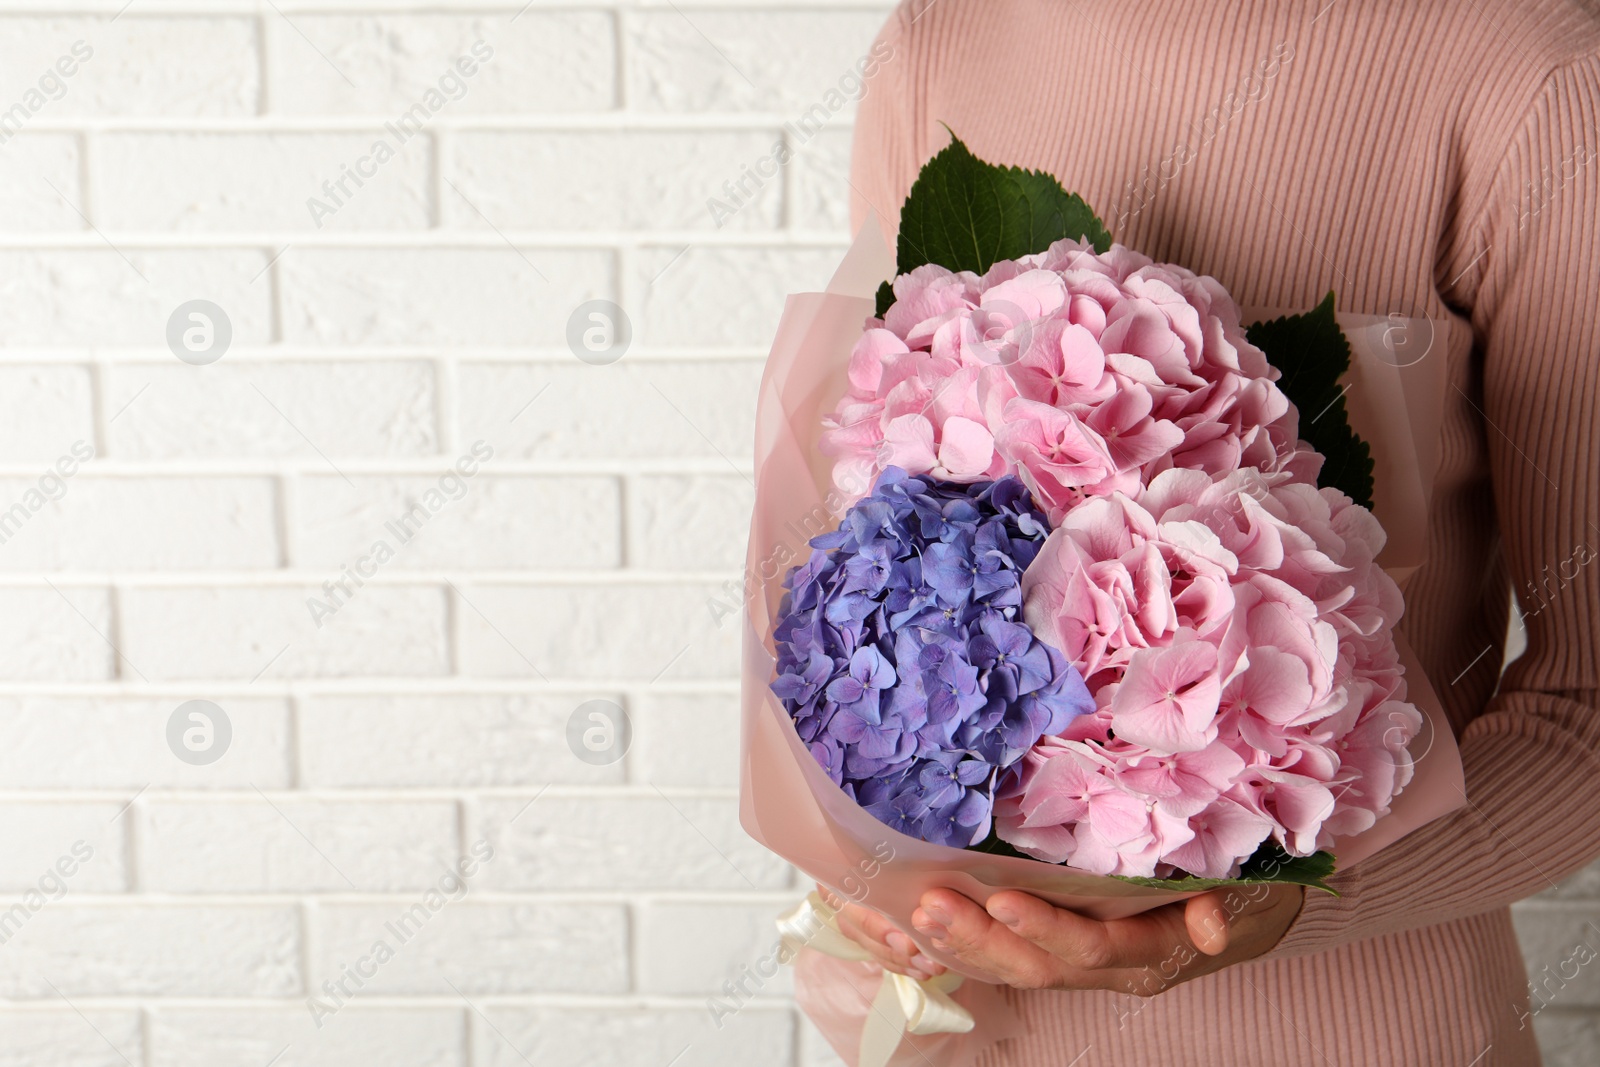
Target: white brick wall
x,y
427,717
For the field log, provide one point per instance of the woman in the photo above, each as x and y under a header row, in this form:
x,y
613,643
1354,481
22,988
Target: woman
x,y
1422,158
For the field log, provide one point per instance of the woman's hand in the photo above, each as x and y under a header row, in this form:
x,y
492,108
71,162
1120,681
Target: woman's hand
x,y
894,950
1031,945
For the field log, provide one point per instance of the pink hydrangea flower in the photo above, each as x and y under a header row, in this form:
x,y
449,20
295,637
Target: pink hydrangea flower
x,y
1235,631
1086,374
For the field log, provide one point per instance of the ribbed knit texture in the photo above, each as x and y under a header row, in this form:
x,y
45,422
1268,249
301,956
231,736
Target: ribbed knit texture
x,y
1432,158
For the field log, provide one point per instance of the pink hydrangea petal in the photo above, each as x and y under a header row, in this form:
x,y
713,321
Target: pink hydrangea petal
x,y
966,448
1276,686
1168,698
1118,817
868,356
1036,293
908,443
1223,832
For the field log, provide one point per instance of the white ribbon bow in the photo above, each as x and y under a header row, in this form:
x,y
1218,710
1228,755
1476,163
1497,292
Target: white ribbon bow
x,y
903,1005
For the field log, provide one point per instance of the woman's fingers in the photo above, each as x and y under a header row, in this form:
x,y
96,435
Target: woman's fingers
x,y
1028,943
1082,944
1207,922
878,935
961,927
1032,944
878,926
889,947
886,956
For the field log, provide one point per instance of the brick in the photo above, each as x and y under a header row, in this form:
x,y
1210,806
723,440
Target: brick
x,y
625,842
641,632
46,635
46,841
690,741
485,521
219,76
782,61
605,180
249,410
589,1037
39,186
121,743
125,295
822,181
691,302
99,523
1567,1038
691,949
59,1036
543,61
1556,939
394,1037
240,633
1583,884
483,948
59,411
199,950
455,740
295,845
814,1048
488,296
628,410
691,522
263,181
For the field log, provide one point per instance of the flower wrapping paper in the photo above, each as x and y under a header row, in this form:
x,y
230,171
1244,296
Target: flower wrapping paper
x,y
788,802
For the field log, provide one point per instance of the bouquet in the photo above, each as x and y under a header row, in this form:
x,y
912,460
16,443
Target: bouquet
x,y
1103,610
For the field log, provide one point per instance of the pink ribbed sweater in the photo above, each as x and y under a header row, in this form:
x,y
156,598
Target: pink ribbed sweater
x,y
1427,157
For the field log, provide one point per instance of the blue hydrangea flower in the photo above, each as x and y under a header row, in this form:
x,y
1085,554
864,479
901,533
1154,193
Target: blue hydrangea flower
x,y
904,661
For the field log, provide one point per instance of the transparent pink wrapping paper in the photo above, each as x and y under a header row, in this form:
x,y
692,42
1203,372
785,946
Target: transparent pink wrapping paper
x,y
788,803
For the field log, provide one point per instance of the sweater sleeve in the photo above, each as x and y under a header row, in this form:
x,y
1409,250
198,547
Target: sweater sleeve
x,y
884,156
1531,278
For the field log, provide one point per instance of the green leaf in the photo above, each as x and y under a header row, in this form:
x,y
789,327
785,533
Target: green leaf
x,y
996,847
965,214
1269,864
1312,353
885,299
